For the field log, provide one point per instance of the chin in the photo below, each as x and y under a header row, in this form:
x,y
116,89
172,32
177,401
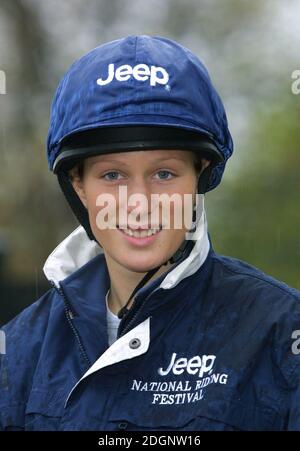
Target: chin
x,y
142,266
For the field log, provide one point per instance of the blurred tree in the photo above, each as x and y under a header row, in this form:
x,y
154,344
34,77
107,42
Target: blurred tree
x,y
30,208
257,216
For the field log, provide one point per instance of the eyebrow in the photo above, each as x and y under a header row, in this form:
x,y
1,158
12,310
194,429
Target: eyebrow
x,y
112,160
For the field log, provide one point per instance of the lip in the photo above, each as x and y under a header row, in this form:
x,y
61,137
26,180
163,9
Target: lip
x,y
140,241
134,229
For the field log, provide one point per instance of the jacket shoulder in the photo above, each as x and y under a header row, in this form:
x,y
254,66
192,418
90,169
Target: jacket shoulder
x,y
271,309
254,277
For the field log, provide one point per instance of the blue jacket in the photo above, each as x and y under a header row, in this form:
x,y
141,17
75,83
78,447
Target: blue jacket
x,y
208,346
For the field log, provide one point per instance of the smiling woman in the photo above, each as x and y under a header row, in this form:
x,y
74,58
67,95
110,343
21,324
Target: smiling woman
x,y
146,326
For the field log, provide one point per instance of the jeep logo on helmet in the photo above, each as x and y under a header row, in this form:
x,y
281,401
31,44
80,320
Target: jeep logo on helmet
x,y
141,72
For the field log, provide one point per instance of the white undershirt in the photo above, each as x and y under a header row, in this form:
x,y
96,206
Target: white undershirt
x,y
112,323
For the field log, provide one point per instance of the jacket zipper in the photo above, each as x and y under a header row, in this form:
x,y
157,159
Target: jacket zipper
x,y
134,312
69,312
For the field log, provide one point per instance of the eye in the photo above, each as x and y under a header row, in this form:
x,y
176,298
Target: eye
x,y
111,176
165,175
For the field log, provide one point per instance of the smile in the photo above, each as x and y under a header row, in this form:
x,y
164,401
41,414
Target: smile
x,y
140,233
143,236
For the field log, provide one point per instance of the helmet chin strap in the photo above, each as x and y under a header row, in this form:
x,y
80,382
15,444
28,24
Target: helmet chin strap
x,y
77,207
183,251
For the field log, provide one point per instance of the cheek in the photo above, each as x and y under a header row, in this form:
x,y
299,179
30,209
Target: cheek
x,y
185,200
92,193
97,197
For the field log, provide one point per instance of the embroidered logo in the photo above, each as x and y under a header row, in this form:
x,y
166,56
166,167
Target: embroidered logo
x,y
196,364
141,72
200,371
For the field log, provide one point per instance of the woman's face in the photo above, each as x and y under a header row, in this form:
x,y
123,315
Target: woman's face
x,y
146,173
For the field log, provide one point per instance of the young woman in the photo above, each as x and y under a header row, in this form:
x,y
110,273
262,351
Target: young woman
x,y
146,327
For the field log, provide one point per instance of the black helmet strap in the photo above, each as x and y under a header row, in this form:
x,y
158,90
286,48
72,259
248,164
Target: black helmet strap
x,y
75,203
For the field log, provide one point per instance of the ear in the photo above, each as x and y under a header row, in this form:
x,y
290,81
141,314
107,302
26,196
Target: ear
x,y
204,164
78,185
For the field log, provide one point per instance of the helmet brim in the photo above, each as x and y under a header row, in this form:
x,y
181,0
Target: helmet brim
x,y
101,141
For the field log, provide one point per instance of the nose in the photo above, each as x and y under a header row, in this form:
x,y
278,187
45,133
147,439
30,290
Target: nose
x,y
139,185
138,206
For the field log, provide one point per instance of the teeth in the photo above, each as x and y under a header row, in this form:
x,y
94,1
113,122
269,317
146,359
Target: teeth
x,y
140,234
